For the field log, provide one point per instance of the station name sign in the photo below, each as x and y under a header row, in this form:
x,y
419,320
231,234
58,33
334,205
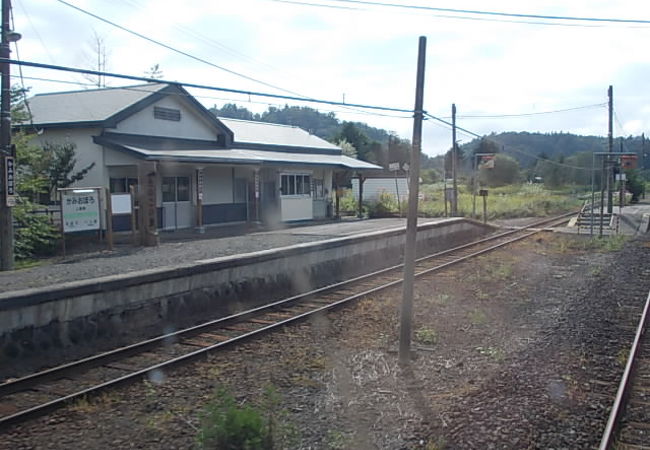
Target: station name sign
x,y
10,180
80,210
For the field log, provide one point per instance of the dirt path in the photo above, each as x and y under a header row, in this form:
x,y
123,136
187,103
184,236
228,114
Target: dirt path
x,y
509,354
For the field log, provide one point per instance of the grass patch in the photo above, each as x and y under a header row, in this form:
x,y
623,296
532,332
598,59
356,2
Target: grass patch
x,y
603,244
227,424
491,352
27,263
503,203
477,317
426,336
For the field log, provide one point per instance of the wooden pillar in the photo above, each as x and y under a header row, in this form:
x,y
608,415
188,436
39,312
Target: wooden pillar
x,y
147,199
199,200
361,180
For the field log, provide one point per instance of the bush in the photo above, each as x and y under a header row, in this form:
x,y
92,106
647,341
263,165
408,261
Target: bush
x,y
34,235
227,426
385,206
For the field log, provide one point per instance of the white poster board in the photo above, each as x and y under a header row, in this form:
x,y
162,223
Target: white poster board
x,y
80,209
121,203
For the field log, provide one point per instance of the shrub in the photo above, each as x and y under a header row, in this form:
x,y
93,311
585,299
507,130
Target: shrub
x,y
225,425
385,206
34,235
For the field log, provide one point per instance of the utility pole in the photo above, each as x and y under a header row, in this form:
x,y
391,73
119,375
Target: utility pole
x,y
406,319
610,148
454,159
6,216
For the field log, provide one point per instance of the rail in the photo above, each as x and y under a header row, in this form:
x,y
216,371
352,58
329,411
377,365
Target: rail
x,y
219,333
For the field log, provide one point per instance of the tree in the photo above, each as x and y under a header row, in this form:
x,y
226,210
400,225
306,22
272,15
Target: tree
x,y
154,72
347,148
350,133
96,57
505,171
232,111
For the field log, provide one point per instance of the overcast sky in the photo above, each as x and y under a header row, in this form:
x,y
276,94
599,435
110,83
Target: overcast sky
x,y
367,54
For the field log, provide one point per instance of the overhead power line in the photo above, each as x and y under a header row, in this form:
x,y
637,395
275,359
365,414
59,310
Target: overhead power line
x,y
498,116
476,135
607,20
173,49
209,97
200,86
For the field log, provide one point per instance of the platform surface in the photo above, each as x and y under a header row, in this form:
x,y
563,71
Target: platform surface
x,y
186,246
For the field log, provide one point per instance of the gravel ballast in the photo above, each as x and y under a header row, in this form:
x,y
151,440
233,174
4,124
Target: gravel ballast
x,y
516,349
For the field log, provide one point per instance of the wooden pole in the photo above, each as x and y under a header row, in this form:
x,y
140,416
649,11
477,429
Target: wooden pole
x,y
406,315
610,149
134,235
485,209
6,214
454,159
360,212
109,220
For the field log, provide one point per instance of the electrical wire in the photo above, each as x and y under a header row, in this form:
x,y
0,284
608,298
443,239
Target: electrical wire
x,y
196,58
175,50
209,97
476,135
461,17
200,86
498,13
498,116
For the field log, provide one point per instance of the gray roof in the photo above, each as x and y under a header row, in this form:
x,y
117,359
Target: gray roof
x,y
92,105
233,155
247,131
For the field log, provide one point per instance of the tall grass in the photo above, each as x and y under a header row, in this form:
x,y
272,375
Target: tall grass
x,y
503,202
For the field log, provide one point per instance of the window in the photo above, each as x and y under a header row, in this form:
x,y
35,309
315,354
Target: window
x,y
121,185
295,184
167,113
175,189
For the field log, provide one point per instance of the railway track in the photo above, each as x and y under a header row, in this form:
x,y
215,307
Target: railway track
x,y
628,427
43,392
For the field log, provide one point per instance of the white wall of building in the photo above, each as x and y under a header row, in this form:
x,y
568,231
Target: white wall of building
x,y
373,187
191,125
297,208
86,152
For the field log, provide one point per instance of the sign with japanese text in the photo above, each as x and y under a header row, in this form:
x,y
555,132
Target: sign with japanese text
x,y
257,184
10,180
199,184
393,167
80,209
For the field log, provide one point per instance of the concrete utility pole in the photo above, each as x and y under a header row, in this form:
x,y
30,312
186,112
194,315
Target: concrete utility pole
x,y
406,319
610,148
454,159
6,216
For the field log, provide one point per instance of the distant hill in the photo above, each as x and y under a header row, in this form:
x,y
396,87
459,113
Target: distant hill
x,y
525,147
379,146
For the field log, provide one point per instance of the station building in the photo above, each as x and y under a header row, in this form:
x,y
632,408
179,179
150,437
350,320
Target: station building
x,y
189,167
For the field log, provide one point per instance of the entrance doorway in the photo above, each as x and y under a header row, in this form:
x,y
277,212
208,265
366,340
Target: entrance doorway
x,y
176,204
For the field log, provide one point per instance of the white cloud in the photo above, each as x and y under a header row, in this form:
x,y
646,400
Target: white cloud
x,y
370,56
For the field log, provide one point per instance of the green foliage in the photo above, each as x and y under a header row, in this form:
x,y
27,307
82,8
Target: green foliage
x,y
34,235
385,206
60,163
225,425
347,148
526,200
505,172
634,184
426,336
348,202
